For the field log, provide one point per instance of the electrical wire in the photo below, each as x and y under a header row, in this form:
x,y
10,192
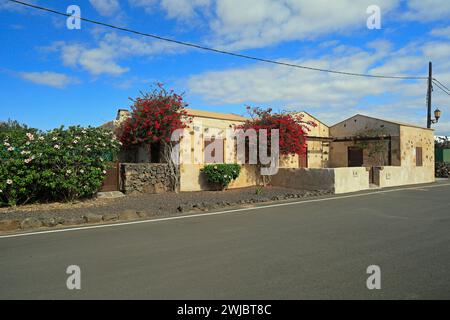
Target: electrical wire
x,y
441,88
446,88
193,45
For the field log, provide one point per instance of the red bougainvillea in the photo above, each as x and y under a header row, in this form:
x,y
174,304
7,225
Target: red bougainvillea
x,y
292,129
154,116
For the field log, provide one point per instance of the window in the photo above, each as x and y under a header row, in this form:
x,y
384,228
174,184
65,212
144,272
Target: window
x,y
419,162
213,153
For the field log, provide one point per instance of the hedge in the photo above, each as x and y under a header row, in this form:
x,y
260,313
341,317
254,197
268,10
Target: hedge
x,y
61,164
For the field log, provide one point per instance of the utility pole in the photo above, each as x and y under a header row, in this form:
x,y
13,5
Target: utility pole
x,y
430,89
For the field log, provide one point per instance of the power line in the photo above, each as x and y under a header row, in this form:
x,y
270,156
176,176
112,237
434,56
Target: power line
x,y
440,87
436,80
193,45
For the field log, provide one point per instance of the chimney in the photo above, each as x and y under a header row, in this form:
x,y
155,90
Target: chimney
x,y
122,115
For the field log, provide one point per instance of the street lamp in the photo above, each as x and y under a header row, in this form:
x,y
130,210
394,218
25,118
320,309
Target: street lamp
x,y
437,115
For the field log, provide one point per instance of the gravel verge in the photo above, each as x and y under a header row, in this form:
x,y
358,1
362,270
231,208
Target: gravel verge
x,y
140,207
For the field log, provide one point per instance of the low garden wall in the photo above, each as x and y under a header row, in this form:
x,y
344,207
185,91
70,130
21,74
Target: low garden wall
x,y
337,180
391,176
304,178
192,179
145,178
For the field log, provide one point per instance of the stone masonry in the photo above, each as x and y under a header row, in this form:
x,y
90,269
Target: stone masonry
x,y
145,178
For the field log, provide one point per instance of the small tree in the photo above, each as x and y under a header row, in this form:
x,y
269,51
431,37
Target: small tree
x,y
154,117
376,149
292,130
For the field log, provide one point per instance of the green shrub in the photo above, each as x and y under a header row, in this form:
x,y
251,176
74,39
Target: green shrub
x,y
221,174
62,164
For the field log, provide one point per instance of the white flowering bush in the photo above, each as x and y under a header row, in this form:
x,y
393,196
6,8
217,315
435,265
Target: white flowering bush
x,y
62,164
221,174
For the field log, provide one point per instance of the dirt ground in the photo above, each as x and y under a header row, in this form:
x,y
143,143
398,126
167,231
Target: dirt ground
x,y
155,205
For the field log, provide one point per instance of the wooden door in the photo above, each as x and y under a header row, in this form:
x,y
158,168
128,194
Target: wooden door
x,y
355,157
111,182
303,160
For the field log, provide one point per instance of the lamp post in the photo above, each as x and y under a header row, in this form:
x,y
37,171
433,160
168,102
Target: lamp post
x,y
437,112
437,115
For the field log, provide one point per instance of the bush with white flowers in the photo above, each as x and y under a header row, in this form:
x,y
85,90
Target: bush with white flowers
x,y
221,174
62,164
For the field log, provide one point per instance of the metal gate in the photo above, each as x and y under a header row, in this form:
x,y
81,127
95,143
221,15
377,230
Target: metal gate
x,y
111,182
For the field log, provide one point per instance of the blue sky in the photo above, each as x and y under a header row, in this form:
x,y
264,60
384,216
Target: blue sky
x,y
50,75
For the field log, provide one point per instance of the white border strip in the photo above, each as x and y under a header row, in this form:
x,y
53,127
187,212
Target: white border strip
x,y
220,212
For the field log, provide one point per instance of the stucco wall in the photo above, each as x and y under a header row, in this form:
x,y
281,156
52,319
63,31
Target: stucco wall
x,y
304,178
192,179
205,128
351,179
398,176
415,137
318,152
338,180
356,125
359,123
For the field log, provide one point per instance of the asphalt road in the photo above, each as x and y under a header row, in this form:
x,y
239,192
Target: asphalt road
x,y
311,250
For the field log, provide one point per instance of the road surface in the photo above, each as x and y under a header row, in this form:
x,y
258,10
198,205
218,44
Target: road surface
x,y
309,250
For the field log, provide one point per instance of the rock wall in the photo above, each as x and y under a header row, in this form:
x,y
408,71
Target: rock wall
x,y
145,178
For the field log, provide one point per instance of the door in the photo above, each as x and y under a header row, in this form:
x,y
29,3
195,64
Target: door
x,y
355,157
111,182
303,160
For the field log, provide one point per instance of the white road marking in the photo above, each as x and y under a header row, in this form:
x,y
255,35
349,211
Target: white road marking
x,y
221,212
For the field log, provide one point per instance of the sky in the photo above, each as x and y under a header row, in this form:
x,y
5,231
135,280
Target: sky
x,y
51,75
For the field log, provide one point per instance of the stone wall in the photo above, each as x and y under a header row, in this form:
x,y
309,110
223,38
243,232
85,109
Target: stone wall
x,y
145,178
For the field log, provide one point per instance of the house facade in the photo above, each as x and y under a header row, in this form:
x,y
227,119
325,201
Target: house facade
x,y
355,154
400,153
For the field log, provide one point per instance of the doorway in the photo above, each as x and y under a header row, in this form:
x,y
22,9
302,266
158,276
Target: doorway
x,y
355,157
303,159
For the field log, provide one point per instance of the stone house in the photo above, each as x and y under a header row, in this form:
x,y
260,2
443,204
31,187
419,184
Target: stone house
x,y
401,153
355,154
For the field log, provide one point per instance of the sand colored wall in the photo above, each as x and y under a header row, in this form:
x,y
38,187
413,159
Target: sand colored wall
x,y
203,128
290,161
318,152
304,178
398,176
356,125
338,180
414,137
350,179
192,179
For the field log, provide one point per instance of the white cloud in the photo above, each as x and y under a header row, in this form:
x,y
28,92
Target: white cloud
x,y
427,10
106,7
334,97
175,9
441,32
48,78
11,6
105,57
243,24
